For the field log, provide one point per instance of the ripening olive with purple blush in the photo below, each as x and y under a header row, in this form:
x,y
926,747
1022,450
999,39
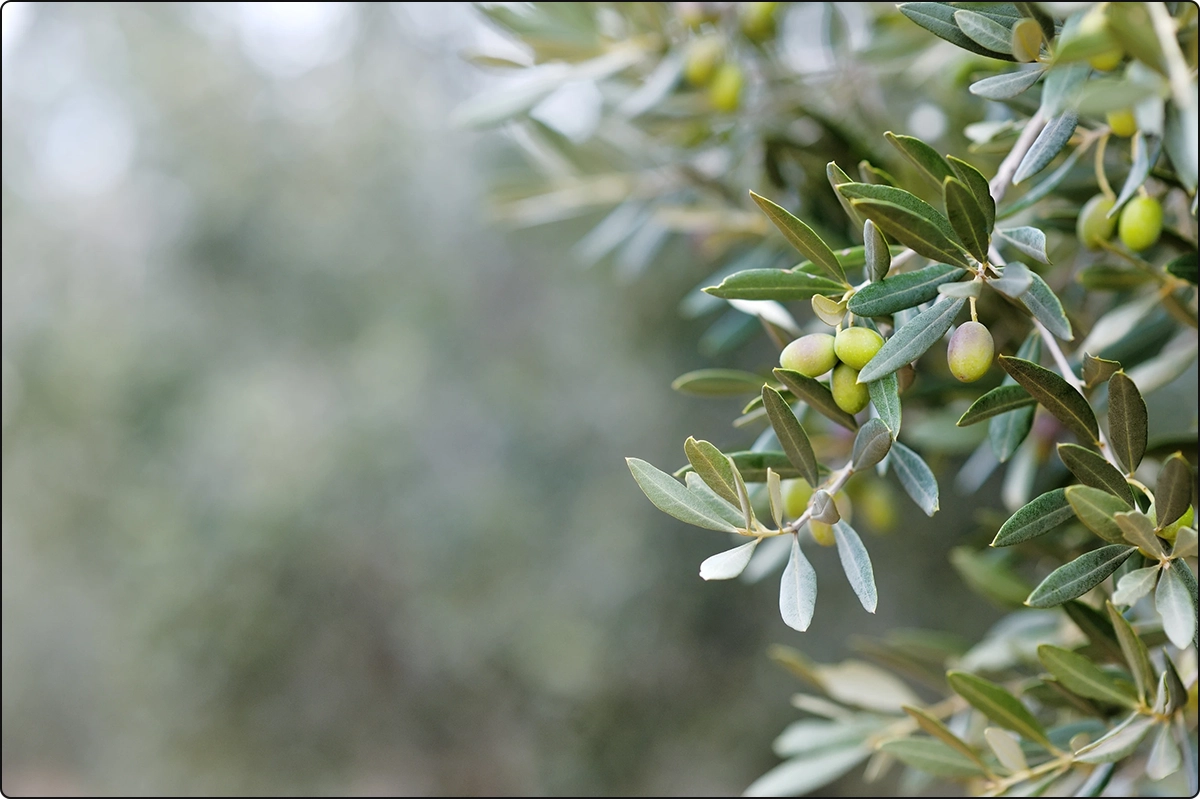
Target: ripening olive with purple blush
x,y
970,353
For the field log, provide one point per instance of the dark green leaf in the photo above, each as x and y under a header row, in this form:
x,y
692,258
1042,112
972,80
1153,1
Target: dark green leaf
x,y
932,756
878,258
1173,491
873,175
791,435
1038,517
1006,86
938,19
912,230
922,156
674,499
1009,430
1055,394
902,291
1080,675
1048,144
836,178
912,340
802,238
1183,267
915,477
885,396
989,576
1079,576
1106,277
1028,241
1001,399
797,590
1176,604
984,31
718,383
817,396
998,705
1118,744
978,185
713,467
781,285
1145,156
1092,470
967,218
1046,308
1127,422
1097,627
871,445
1044,188
856,563
1136,654
1096,509
1098,370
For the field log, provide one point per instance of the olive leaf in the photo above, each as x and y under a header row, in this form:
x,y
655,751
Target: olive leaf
x,y
978,184
902,291
1055,395
856,563
713,467
1048,144
1096,508
885,396
926,159
931,756
1081,676
1026,240
1092,470
717,383
797,590
802,238
915,477
729,564
1097,370
782,285
1045,306
1173,491
998,705
967,218
816,395
1007,85
1135,652
1127,421
791,435
674,499
1036,518
1079,576
912,340
878,257
1001,399
1176,604
984,31
871,445
939,19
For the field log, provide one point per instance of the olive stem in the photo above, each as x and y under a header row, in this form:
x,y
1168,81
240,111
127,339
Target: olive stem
x,y
1101,178
1008,167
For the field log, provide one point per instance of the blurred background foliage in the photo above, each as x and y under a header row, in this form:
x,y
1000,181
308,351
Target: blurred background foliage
x,y
313,478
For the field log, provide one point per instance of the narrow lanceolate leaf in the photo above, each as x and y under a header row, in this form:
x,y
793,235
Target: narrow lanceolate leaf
x,y
1044,304
926,159
984,31
782,285
1047,185
1062,89
802,238
713,467
998,705
966,217
1175,604
1006,86
816,395
978,184
931,756
1028,241
1038,517
798,590
674,499
1139,531
911,229
939,19
1015,281
856,563
877,192
1134,585
791,435
1119,743
1173,491
836,178
715,505
1127,421
934,726
912,340
1001,399
802,775
1098,370
1006,748
1009,430
775,495
885,396
1097,627
1079,576
1096,508
915,477
878,257
1081,676
1164,758
1092,470
1048,144
729,564
1184,267
871,445
718,383
1136,654
1055,394
902,291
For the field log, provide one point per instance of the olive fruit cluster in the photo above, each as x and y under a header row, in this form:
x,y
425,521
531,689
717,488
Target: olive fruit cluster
x,y
1139,224
969,355
705,65
845,354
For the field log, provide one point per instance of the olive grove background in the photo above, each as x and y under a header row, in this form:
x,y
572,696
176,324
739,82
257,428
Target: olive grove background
x,y
314,477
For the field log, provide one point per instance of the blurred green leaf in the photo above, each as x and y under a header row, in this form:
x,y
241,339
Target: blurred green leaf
x,y
1007,749
915,477
1043,189
806,774
1014,281
998,705
902,291
1130,25
938,19
1061,89
934,726
1106,277
1055,395
1119,743
1008,85
1037,518
674,499
1085,678
818,397
802,238
1079,576
885,396
791,435
989,576
1001,399
932,756
926,159
1093,470
912,340
1097,627
1183,267
1164,758
1145,157
718,383
812,735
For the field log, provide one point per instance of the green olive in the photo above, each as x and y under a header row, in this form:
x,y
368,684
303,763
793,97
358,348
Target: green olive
x,y
694,15
970,353
1172,530
812,355
1122,122
877,502
1108,60
703,57
1141,223
850,395
1094,227
856,346
725,93
796,494
758,20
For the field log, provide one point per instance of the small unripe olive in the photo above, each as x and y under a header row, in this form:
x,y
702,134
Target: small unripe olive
x,y
878,503
796,494
703,57
857,345
758,20
725,93
822,533
970,353
812,355
848,393
1094,227
1172,530
1108,60
1141,223
1122,122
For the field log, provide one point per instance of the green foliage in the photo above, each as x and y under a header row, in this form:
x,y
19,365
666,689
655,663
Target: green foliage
x,y
931,256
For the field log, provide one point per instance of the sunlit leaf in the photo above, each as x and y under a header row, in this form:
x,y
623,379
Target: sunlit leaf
x,y
805,774
818,397
802,238
1028,241
1079,675
712,466
1007,85
1014,282
1007,748
729,564
938,19
1139,531
926,159
1164,758
781,285
1134,585
985,32
1119,743
1176,604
